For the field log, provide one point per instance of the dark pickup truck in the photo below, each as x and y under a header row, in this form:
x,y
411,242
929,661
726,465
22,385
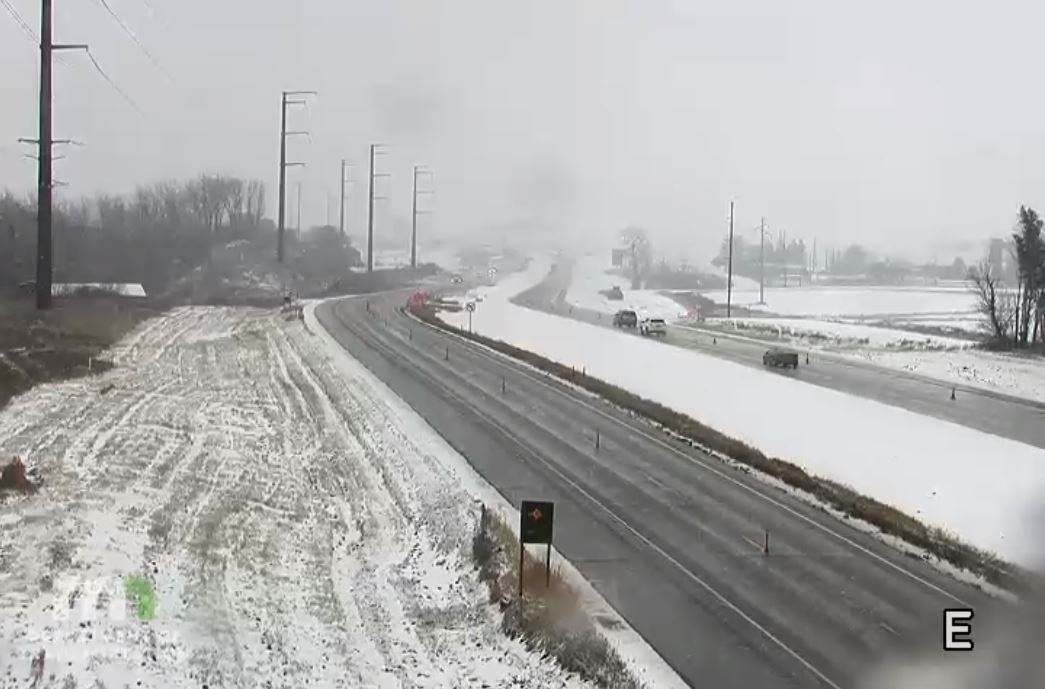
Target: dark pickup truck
x,y
780,358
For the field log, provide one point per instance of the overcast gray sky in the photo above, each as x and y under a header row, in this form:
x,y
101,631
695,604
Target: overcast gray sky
x,y
897,124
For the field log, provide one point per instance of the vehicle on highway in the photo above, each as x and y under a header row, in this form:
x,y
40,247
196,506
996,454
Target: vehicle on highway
x,y
456,279
780,358
625,318
653,326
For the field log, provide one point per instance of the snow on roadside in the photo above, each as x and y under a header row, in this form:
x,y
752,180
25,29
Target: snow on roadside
x,y
1004,373
293,532
589,278
863,301
644,662
833,333
984,488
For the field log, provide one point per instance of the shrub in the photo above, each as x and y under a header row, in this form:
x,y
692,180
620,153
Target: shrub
x,y
548,618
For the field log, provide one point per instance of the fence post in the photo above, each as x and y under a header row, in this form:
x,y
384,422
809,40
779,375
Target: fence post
x,y
522,554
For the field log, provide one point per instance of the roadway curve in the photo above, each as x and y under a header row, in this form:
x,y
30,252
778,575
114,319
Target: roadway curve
x,y
1003,415
671,537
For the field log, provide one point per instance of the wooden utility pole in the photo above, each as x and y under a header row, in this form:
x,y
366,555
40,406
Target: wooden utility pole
x,y
45,157
298,207
729,275
375,149
44,248
418,170
762,271
283,164
341,220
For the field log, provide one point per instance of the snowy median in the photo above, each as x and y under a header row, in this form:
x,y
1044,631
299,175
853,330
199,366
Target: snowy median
x,y
237,505
982,488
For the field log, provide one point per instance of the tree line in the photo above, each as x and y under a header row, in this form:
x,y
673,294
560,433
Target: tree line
x,y
1014,313
150,236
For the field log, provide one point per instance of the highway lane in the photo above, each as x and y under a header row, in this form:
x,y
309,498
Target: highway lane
x,y
668,535
998,414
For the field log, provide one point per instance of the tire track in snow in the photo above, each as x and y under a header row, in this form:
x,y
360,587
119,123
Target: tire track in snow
x,y
294,535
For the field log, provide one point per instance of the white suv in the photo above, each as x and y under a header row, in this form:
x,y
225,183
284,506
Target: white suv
x,y
653,326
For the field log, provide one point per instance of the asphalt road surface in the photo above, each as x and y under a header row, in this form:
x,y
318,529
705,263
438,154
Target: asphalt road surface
x,y
672,538
1010,417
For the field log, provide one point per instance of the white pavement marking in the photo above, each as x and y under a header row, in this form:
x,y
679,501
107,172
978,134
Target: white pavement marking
x,y
722,599
758,546
845,539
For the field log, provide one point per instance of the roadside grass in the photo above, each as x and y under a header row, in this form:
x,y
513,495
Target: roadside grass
x,y
548,617
64,342
843,498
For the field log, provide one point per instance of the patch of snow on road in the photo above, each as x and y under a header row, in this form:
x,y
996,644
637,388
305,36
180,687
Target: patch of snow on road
x,y
984,488
590,278
294,534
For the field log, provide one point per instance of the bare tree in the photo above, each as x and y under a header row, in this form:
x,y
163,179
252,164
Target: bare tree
x,y
995,303
639,251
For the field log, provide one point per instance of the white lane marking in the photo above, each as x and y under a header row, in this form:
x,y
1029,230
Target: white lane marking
x,y
845,539
642,537
758,546
657,482
889,629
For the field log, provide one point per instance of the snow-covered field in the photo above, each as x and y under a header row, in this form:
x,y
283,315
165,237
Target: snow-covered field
x,y
857,302
986,489
590,278
813,332
1005,373
294,527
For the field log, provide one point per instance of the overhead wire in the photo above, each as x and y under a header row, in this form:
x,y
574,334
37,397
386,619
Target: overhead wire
x,y
112,83
134,38
28,30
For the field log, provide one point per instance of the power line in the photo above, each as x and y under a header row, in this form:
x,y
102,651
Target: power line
x,y
133,37
28,30
112,83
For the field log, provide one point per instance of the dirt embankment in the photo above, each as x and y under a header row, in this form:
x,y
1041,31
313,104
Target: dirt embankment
x,y
67,341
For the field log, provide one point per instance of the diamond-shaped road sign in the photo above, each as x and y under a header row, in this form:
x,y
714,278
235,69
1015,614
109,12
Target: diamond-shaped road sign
x,y
536,522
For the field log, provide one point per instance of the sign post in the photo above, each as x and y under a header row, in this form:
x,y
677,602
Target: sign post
x,y
535,526
470,308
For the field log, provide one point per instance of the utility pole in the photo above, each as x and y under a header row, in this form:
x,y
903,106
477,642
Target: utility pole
x,y
418,170
729,278
45,158
283,164
341,221
812,273
375,149
299,211
762,272
44,250
783,235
